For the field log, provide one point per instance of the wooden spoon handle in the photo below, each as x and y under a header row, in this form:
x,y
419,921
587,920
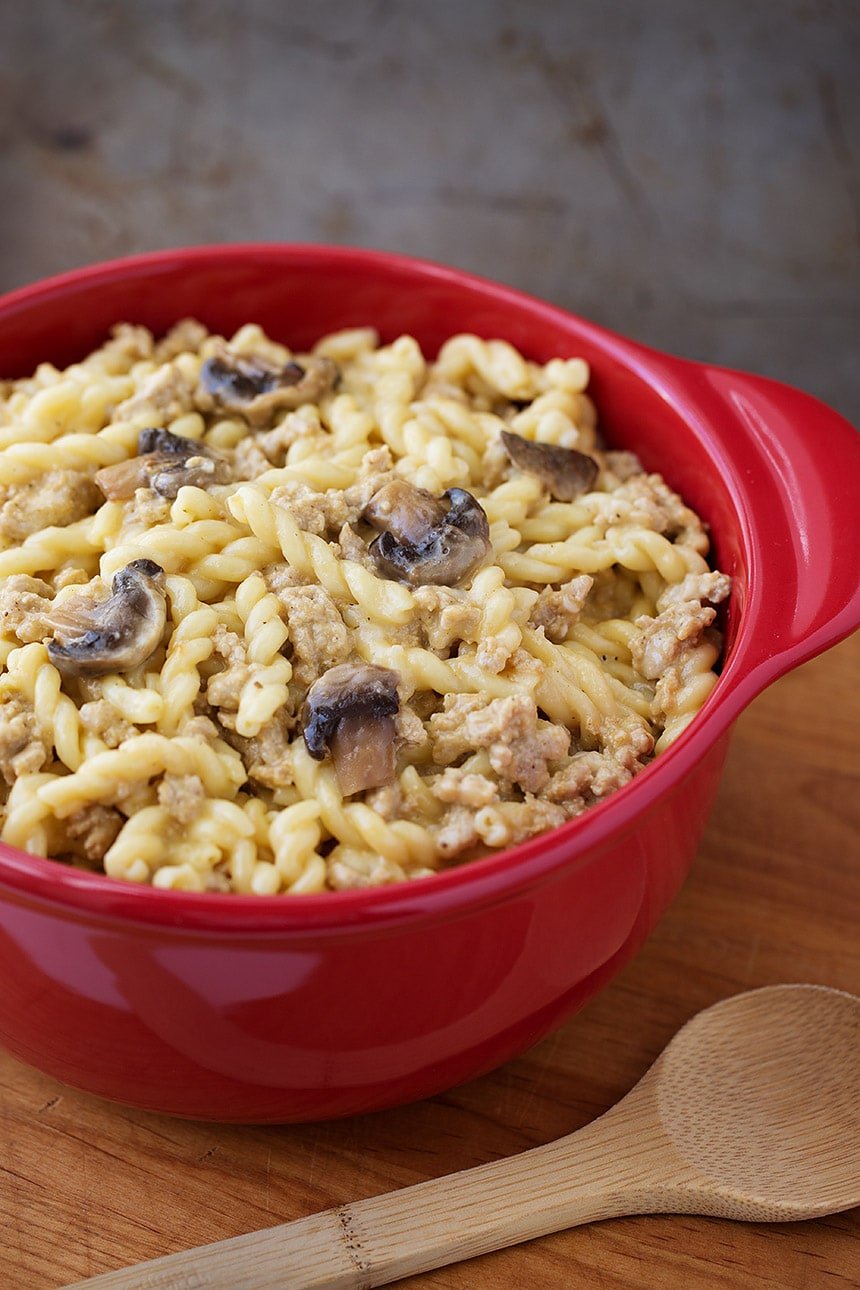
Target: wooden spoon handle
x,y
589,1175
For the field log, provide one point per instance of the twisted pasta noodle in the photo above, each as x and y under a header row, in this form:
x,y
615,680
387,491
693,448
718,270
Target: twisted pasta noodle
x,y
265,691
215,572
621,680
258,812
295,834
644,550
108,523
178,877
498,633
349,344
392,408
47,415
221,835
558,561
141,705
696,681
23,461
466,430
413,788
250,339
555,521
641,550
503,539
30,673
418,668
429,459
348,423
337,472
174,549
345,440
470,677
51,549
191,643
140,847
28,819
608,642
227,432
140,758
568,374
275,527
512,500
500,367
558,416
150,848
562,693
356,825
575,684
193,504
612,632
190,425
226,613
404,357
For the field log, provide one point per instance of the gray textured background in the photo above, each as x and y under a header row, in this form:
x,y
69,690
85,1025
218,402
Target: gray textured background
x,y
686,173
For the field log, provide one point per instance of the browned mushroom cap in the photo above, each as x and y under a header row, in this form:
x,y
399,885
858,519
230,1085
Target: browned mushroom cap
x,y
404,511
350,713
425,539
165,462
118,634
566,472
256,389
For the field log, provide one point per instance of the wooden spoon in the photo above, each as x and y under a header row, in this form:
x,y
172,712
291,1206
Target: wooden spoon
x,y
752,1112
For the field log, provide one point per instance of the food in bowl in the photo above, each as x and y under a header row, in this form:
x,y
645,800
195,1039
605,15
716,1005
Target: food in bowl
x,y
278,622
271,1010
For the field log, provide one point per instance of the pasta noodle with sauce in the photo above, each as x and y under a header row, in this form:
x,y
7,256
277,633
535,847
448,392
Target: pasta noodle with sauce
x,y
288,623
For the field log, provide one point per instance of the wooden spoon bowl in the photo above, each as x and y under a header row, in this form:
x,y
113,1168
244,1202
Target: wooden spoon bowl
x,y
760,1095
752,1112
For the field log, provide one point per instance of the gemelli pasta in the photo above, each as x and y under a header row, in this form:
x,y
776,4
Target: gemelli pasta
x,y
288,623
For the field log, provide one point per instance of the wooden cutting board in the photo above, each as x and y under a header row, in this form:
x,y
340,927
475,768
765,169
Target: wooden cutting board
x,y
774,896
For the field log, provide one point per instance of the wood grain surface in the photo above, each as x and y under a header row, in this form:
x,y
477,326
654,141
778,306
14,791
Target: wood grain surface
x,y
774,896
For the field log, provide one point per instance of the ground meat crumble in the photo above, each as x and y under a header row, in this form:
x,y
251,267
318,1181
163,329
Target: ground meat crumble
x,y
24,747
92,830
60,497
520,746
182,796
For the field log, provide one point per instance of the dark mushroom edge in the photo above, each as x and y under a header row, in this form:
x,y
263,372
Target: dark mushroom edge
x,y
349,713
165,462
566,472
256,389
427,540
120,633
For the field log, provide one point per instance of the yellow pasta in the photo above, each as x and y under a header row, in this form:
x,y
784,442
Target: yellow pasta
x,y
265,690
280,624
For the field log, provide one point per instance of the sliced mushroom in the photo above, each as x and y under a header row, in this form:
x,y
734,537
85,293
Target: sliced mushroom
x,y
350,713
165,462
425,539
256,389
404,511
116,635
566,472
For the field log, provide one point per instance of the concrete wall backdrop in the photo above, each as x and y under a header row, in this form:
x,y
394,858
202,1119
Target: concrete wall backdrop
x,y
686,173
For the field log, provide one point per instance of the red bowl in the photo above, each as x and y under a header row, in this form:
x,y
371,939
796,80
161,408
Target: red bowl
x,y
276,1009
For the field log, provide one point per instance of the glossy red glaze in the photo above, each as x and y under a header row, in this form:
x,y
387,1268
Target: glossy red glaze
x,y
277,1009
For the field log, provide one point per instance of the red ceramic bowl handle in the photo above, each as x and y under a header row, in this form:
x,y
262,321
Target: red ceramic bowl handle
x,y
799,506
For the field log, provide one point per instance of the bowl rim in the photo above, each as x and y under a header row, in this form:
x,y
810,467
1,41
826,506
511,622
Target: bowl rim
x,y
474,882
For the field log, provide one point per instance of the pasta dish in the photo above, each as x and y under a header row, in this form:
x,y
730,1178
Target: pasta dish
x,y
277,622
